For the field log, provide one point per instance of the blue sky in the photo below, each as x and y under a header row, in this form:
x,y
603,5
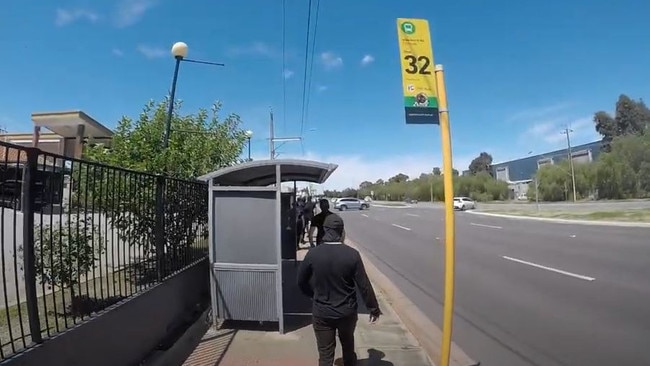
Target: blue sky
x,y
517,71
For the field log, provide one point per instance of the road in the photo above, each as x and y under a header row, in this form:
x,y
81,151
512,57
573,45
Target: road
x,y
588,206
527,292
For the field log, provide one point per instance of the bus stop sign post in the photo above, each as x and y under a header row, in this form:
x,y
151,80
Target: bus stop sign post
x,y
425,102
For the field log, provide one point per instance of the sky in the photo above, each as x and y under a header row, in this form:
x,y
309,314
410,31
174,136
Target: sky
x,y
517,72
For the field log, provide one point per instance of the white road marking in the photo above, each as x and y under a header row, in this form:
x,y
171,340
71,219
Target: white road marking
x,y
402,227
551,269
483,225
414,215
364,215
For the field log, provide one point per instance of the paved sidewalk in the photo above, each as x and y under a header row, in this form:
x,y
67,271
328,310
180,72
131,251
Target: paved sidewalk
x,y
386,343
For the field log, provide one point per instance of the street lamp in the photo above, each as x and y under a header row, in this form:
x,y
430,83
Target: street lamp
x,y
179,51
249,134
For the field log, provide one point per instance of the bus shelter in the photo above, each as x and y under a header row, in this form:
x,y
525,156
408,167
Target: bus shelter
x,y
250,235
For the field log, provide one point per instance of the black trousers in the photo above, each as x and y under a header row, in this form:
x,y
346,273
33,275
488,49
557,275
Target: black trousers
x,y
326,330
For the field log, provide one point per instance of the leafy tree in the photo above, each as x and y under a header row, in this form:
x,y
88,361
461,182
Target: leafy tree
x,y
199,143
64,255
631,118
349,192
399,178
437,171
365,184
481,164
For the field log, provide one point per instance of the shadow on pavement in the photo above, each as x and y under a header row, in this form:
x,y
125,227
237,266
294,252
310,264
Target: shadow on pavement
x,y
212,348
375,358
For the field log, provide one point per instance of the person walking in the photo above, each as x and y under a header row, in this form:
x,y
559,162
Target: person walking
x,y
317,223
331,274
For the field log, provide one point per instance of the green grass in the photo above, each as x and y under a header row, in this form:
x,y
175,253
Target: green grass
x,y
639,215
394,204
114,284
113,287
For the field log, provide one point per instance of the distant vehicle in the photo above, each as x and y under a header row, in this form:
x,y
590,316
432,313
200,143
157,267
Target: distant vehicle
x,y
343,204
464,203
409,200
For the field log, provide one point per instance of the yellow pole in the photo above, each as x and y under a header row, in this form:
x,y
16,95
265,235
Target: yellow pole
x,y
450,225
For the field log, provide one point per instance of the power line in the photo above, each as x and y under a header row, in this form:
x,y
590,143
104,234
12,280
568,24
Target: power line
x,y
311,64
284,64
304,80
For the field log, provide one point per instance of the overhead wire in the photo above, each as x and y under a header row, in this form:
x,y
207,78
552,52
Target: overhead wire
x,y
304,80
311,63
284,65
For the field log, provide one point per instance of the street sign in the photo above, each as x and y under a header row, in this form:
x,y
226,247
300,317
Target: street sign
x,y
418,77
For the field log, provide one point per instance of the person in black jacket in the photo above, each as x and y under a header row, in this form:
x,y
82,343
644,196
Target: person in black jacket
x,y
330,275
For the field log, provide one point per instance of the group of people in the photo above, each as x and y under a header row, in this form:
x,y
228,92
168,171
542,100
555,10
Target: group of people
x,y
331,274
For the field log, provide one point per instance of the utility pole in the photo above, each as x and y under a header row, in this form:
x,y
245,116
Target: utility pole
x,y
273,139
567,131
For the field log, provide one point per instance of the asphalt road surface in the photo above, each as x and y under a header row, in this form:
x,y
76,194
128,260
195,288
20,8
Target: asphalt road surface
x,y
527,292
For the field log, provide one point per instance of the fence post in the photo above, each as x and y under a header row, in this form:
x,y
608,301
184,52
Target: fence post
x,y
160,227
29,260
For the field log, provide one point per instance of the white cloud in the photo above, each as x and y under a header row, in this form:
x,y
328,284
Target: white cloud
x,y
117,52
287,73
68,16
331,60
367,60
354,169
255,49
322,88
129,12
153,52
537,113
550,132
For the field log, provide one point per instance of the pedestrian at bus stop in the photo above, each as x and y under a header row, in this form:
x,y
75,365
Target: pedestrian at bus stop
x,y
331,274
317,223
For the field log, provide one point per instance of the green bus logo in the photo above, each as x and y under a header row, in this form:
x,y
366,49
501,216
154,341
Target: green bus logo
x,y
408,28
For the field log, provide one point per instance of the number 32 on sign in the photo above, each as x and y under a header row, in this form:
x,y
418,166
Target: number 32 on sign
x,y
418,79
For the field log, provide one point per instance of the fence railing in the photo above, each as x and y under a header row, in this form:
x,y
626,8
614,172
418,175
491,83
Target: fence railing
x,y
77,237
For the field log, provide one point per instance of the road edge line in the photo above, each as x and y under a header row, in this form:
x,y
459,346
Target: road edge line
x,y
565,221
425,331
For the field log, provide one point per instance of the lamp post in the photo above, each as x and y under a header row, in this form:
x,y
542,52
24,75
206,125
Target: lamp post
x,y
179,51
249,134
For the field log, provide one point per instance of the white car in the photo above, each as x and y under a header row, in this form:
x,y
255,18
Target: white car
x,y
463,203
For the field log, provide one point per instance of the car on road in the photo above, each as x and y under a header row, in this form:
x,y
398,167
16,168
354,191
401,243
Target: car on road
x,y
343,204
464,203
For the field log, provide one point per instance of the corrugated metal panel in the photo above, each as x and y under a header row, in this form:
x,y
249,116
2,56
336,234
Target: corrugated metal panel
x,y
246,295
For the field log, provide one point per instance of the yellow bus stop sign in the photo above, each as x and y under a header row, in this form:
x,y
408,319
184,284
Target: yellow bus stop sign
x,y
418,77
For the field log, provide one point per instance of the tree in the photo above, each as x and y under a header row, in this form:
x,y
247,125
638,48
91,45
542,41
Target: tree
x,y
399,178
65,254
436,171
198,144
631,118
365,184
481,164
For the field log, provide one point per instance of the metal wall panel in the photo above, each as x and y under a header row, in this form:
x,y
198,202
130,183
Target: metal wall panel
x,y
245,294
244,227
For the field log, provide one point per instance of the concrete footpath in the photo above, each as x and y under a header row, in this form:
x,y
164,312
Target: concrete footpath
x,y
385,343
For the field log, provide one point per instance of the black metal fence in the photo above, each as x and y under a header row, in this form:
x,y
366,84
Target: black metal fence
x,y
77,237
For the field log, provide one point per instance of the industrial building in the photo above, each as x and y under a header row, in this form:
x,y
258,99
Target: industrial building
x,y
519,173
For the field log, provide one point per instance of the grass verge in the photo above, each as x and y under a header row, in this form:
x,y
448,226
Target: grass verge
x,y
640,215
